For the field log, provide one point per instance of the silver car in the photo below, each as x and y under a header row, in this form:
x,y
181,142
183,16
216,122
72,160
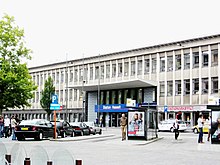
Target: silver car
x,y
94,128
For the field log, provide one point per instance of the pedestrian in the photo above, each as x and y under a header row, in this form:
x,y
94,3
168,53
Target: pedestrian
x,y
209,133
1,126
13,125
123,123
200,125
176,129
7,126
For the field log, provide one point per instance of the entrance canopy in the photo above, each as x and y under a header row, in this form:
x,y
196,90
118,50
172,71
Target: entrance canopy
x,y
137,83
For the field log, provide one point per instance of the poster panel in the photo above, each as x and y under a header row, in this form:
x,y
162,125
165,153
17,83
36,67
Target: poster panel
x,y
215,127
136,123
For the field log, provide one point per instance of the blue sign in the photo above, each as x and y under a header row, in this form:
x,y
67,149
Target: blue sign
x,y
54,99
165,108
54,105
111,108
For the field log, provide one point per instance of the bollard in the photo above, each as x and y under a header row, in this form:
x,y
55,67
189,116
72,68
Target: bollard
x,y
49,163
8,158
27,161
78,162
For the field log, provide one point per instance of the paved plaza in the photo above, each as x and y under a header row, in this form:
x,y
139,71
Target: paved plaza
x,y
108,149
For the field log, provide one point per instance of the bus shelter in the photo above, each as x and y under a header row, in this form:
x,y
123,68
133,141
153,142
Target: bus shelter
x,y
142,123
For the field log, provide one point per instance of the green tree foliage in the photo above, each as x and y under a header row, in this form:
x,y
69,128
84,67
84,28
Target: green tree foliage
x,y
16,85
46,95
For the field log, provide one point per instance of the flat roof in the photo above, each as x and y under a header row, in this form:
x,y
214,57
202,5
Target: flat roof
x,y
136,83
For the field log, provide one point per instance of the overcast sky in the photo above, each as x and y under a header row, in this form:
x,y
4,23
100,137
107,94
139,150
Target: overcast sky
x,y
60,29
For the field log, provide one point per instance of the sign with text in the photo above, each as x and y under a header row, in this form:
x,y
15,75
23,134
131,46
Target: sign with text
x,y
111,108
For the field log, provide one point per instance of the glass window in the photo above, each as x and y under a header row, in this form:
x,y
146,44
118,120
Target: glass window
x,y
108,71
62,77
169,88
178,87
38,81
154,65
113,97
178,61
97,72
125,95
120,97
41,79
139,67
186,61
102,72
162,64
81,74
102,97
132,68
195,86
140,93
126,68
187,87
205,58
205,85
113,70
214,57
214,84
162,89
195,59
169,63
146,66
61,95
66,76
71,75
91,73
107,97
71,94
57,78
75,75
119,69
75,94
133,94
85,74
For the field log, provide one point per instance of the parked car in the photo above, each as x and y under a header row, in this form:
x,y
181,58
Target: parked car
x,y
36,128
205,128
167,125
94,128
64,128
80,128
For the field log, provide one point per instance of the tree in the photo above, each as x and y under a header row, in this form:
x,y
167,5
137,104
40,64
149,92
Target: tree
x,y
46,95
16,83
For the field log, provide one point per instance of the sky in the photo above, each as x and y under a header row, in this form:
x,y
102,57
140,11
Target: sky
x,y
60,30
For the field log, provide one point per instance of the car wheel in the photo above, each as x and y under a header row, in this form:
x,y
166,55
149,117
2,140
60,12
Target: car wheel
x,y
63,134
100,132
195,131
82,133
171,129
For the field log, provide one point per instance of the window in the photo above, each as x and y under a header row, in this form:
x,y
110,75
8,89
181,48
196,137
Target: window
x,y
139,67
61,95
108,71
162,89
75,94
126,69
113,70
107,97
113,97
91,73
102,72
187,87
53,77
162,64
119,69
178,62
120,97
102,97
71,94
125,95
205,85
169,63
214,57
195,86
75,75
132,68
146,66
154,65
140,99
66,76
195,59
205,58
62,77
57,78
81,74
178,87
41,79
71,75
85,74
97,72
214,84
169,88
186,61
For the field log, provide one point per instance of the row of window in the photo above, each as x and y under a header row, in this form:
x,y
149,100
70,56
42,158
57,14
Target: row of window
x,y
145,64
186,86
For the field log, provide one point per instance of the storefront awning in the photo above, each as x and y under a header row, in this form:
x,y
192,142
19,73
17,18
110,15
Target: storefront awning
x,y
137,83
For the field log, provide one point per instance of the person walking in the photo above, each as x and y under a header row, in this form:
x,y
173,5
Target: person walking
x,y
7,126
13,124
200,125
123,124
209,133
176,129
1,126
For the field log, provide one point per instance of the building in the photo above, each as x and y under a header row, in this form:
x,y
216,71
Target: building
x,y
177,77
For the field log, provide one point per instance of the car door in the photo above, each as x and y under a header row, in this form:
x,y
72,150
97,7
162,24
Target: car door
x,y
85,128
68,128
50,129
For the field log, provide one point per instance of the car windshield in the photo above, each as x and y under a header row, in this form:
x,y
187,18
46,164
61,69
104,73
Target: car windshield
x,y
57,123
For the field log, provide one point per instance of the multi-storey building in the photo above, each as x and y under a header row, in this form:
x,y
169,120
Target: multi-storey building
x,y
178,77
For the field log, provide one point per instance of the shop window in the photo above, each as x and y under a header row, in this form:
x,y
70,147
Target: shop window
x,y
195,59
125,95
205,58
214,81
133,96
162,89
108,71
205,85
107,97
119,69
113,97
169,88
140,99
132,68
195,86
187,87
178,87
186,61
102,97
120,97
214,57
126,68
162,64
178,62
146,66
170,63
113,70
139,67
154,65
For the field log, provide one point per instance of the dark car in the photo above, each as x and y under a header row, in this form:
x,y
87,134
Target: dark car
x,y
80,128
64,128
36,128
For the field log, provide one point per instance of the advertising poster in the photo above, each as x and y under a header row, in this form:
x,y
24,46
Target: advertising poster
x,y
215,127
136,123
